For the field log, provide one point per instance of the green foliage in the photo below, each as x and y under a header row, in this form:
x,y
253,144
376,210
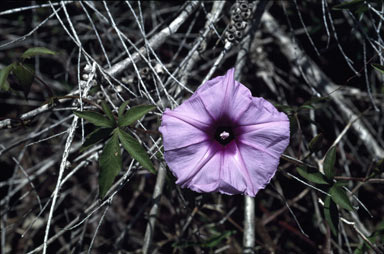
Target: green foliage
x,y
339,196
31,52
95,118
23,72
134,114
107,111
331,215
122,108
316,143
133,147
313,176
110,161
24,75
4,85
329,162
95,136
378,67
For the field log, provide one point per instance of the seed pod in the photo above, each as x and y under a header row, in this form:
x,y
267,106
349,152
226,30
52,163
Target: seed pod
x,y
246,14
144,71
238,35
119,89
240,25
87,68
237,17
230,37
235,9
243,6
100,95
231,29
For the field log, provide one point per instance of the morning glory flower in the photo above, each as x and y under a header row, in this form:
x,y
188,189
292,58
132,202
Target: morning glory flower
x,y
224,140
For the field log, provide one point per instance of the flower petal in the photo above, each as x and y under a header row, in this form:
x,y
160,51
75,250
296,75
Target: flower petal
x,y
271,137
225,97
260,112
188,162
234,176
178,133
260,165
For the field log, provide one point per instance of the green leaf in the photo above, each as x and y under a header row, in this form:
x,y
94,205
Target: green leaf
x,y
95,136
4,85
122,108
214,241
351,5
341,183
37,51
331,215
315,177
286,109
95,118
133,147
110,164
378,67
134,114
24,75
107,111
329,162
340,197
316,142
309,106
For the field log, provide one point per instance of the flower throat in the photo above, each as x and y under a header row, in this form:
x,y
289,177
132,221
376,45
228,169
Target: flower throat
x,y
224,135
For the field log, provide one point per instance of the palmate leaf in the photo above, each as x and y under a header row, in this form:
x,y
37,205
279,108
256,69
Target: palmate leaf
x,y
95,118
137,152
315,177
96,136
37,51
134,114
340,197
122,108
329,162
331,215
110,164
107,111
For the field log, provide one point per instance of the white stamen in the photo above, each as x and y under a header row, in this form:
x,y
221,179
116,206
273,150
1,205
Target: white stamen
x,y
224,135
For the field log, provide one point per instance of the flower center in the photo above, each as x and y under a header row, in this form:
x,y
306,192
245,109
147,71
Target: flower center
x,y
224,135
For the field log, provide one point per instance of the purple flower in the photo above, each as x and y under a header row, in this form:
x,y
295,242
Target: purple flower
x,y
223,139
